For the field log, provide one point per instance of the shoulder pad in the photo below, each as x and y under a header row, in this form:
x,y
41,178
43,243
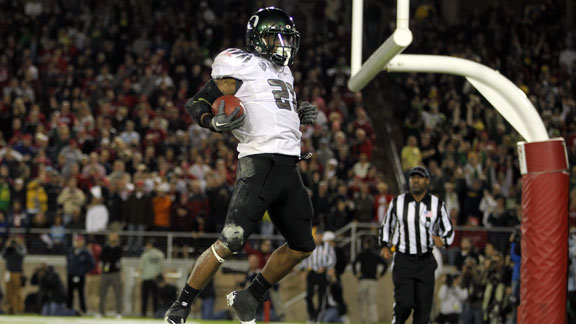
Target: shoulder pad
x,y
234,63
234,56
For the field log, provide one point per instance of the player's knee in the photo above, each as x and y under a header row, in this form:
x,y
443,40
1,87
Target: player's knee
x,y
233,237
221,250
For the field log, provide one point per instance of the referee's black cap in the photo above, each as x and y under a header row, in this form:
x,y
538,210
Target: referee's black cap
x,y
419,170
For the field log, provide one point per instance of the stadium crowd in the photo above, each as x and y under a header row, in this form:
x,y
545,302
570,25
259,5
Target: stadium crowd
x,y
93,134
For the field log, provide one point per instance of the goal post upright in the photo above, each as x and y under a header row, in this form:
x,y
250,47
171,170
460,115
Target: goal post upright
x,y
357,24
394,45
543,162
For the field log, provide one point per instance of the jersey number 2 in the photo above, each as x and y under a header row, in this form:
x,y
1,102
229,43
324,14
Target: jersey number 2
x,y
283,95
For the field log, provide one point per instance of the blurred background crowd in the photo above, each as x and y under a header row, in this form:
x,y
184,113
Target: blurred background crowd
x,y
94,137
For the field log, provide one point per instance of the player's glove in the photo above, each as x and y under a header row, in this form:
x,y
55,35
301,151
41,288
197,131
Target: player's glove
x,y
307,113
223,123
177,313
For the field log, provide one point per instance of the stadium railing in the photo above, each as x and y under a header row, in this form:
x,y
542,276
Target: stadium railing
x,y
348,237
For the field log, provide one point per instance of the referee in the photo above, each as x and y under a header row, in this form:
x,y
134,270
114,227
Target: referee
x,y
320,265
415,222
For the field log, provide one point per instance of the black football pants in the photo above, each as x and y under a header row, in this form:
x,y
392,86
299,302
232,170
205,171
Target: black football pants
x,y
76,283
270,182
413,278
315,282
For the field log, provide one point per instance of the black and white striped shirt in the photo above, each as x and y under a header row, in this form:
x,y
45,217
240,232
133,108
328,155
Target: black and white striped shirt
x,y
409,225
324,256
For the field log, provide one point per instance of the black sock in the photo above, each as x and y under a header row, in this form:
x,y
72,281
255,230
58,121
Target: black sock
x,y
187,295
259,287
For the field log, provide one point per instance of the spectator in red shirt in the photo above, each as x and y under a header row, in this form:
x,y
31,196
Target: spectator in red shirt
x,y
263,252
363,121
362,144
92,284
199,204
66,116
182,220
156,134
382,200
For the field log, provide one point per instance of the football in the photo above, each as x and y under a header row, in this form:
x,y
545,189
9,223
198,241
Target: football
x,y
230,103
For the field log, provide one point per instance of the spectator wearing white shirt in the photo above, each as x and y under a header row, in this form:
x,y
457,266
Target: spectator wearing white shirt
x,y
451,296
199,169
97,214
451,200
361,167
130,136
567,57
72,199
33,8
487,205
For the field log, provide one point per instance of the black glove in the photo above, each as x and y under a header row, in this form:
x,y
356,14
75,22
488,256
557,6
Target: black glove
x,y
177,313
307,113
223,123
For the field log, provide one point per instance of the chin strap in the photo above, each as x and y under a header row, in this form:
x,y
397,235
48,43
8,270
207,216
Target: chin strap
x,y
219,258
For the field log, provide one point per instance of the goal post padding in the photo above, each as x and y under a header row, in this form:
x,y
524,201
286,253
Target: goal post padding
x,y
545,187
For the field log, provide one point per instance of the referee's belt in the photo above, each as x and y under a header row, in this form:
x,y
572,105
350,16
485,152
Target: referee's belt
x,y
417,255
315,271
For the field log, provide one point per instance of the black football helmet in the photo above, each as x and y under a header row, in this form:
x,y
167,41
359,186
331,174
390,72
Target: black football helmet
x,y
272,34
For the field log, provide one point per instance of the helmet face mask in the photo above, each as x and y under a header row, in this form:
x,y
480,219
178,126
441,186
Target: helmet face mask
x,y
281,47
271,33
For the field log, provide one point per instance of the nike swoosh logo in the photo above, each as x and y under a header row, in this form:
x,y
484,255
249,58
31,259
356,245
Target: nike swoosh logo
x,y
218,124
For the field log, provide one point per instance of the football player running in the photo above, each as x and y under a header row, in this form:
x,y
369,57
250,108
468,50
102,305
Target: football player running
x,y
269,148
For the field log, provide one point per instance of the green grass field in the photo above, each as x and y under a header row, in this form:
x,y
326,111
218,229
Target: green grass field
x,y
9,319
32,319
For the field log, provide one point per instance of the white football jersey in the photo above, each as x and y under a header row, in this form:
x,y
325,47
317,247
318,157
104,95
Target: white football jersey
x,y
272,124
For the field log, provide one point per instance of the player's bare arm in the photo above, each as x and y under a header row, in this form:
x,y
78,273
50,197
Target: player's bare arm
x,y
228,86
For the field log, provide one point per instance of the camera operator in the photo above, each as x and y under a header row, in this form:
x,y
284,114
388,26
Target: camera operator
x,y
452,295
472,281
14,253
495,304
51,294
